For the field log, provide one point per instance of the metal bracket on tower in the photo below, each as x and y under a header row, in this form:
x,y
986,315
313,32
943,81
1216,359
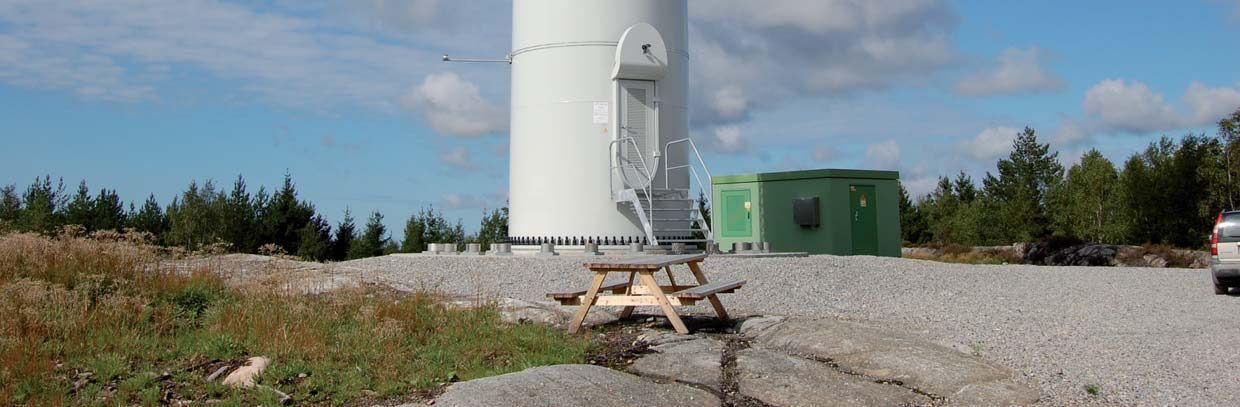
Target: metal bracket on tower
x,y
507,59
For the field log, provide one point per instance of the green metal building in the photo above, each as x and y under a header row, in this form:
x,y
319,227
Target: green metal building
x,y
828,211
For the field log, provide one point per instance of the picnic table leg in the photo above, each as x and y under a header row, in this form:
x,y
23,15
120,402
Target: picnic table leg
x,y
713,298
670,277
586,303
628,311
661,298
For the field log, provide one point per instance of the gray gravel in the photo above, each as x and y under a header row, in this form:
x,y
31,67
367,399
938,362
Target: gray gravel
x,y
1142,336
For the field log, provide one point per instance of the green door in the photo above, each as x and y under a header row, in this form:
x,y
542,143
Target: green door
x,y
864,219
736,219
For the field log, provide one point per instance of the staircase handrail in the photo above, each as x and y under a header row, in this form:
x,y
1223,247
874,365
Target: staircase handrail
x,y
611,179
709,188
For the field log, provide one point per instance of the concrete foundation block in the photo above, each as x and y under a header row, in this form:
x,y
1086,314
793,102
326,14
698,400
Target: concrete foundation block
x,y
472,249
678,248
500,249
449,248
591,249
433,248
547,250
637,249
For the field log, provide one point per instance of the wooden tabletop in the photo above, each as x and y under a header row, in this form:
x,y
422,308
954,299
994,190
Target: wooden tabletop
x,y
645,262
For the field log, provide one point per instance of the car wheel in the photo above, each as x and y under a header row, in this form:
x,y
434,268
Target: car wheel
x,y
1220,289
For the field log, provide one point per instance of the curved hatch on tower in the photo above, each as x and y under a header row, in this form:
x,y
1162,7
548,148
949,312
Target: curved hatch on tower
x,y
641,62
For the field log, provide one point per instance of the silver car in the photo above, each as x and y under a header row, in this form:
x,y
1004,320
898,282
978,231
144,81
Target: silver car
x,y
1225,252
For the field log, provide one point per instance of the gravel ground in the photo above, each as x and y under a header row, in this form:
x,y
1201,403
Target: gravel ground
x,y
1142,336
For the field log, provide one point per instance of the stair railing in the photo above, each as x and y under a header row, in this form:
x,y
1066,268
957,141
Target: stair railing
x,y
621,164
704,186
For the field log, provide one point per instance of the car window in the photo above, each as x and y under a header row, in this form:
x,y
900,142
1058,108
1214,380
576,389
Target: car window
x,y
1229,228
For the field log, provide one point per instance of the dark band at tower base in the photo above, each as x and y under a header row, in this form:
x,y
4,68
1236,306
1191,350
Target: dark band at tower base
x,y
581,240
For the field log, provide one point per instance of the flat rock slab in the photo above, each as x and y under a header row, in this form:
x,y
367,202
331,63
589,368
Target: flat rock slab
x,y
787,381
697,361
571,385
541,312
886,355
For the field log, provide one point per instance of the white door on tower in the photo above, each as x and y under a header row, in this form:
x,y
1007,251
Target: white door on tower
x,y
639,121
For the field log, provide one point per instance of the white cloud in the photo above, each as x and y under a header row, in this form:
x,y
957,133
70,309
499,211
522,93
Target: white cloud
x,y
990,143
458,157
1071,132
883,156
1207,105
147,50
728,140
455,200
455,107
730,102
1130,107
1017,71
767,52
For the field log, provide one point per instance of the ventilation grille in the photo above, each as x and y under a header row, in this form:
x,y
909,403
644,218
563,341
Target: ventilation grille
x,y
635,121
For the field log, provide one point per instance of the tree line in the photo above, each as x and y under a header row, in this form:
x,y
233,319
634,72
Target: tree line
x,y
1170,194
235,219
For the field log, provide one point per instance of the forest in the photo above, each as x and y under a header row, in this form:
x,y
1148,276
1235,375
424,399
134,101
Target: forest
x,y
1169,194
234,220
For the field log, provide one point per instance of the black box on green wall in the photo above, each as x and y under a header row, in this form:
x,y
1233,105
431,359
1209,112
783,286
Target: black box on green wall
x,y
857,211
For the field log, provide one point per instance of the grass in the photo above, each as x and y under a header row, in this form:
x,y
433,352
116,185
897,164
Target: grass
x,y
1093,389
953,253
1174,257
97,321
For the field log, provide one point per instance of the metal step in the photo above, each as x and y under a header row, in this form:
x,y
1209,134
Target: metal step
x,y
683,241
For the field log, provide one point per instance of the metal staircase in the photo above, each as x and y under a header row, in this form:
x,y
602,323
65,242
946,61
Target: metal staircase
x,y
667,215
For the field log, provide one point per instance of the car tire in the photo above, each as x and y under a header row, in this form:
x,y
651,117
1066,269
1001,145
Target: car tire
x,y
1220,289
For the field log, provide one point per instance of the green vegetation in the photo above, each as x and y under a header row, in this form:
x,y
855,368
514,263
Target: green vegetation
x,y
1167,195
98,322
1093,389
206,217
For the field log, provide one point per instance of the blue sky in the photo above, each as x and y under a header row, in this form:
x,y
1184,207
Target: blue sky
x,y
349,96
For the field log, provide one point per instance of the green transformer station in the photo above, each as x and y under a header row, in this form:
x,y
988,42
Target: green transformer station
x,y
827,211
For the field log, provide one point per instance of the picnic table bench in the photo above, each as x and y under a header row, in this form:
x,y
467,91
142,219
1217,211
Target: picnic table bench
x,y
647,291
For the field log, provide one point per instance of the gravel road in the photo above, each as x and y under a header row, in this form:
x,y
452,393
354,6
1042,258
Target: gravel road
x,y
1139,336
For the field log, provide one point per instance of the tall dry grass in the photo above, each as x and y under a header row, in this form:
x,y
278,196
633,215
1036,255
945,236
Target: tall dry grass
x,y
96,320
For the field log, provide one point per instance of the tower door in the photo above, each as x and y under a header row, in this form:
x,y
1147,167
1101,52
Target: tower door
x,y
638,120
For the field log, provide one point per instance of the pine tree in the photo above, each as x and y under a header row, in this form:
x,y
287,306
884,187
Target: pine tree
x,y
43,202
372,240
239,218
1021,185
81,210
10,207
912,222
109,213
346,233
315,242
964,188
150,218
494,228
415,231
940,210
284,215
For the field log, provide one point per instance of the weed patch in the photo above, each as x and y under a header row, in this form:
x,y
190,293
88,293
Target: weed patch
x,y
91,321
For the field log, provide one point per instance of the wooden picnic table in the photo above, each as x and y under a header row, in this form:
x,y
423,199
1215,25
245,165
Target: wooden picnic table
x,y
647,291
